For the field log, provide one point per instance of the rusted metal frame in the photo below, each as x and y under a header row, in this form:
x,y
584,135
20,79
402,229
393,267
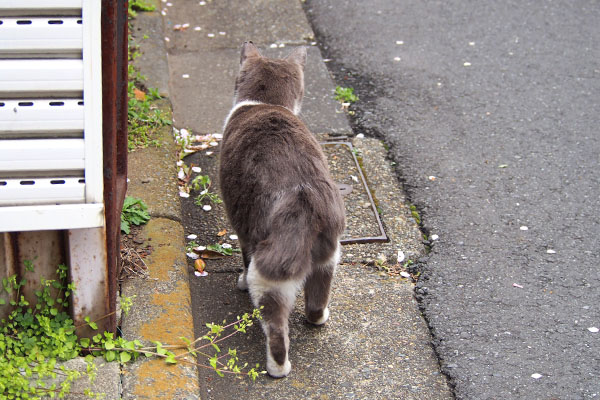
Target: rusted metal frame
x,y
114,119
369,239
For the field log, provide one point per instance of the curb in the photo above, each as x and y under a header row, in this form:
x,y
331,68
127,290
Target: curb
x,y
161,309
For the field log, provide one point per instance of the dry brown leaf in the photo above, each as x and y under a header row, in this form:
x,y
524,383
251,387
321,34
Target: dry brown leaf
x,y
210,255
222,233
139,95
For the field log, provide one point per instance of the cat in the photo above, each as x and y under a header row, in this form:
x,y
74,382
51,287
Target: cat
x,y
279,197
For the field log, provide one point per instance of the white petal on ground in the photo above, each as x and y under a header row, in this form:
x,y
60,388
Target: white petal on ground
x,y
197,28
222,33
226,246
192,236
218,136
200,248
354,178
206,207
467,64
192,255
397,58
179,163
550,251
400,256
524,228
196,169
593,329
184,195
213,144
399,42
203,273
536,376
434,237
181,174
211,35
233,237
208,153
184,132
404,274
360,136
185,76
273,46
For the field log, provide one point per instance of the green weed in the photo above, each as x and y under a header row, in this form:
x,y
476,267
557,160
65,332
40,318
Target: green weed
x,y
135,212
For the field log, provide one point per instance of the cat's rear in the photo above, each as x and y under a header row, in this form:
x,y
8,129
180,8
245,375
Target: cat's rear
x,y
280,198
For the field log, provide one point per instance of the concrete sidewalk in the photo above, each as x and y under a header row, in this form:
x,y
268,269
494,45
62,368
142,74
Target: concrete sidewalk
x,y
376,344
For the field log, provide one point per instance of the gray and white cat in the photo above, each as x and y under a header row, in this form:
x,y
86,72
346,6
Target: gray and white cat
x,y
279,197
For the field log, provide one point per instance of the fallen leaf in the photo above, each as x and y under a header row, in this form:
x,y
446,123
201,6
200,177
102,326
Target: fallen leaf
x,y
211,255
222,233
199,265
139,95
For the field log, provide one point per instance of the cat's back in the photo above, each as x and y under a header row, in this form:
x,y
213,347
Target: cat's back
x,y
263,135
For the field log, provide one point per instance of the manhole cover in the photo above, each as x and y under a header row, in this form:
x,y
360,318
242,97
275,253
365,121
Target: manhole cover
x,y
362,219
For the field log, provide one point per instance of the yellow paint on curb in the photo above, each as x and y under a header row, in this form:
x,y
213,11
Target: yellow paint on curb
x,y
157,380
169,315
174,321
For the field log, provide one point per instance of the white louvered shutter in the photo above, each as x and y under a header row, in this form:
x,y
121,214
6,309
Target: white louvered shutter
x,y
50,115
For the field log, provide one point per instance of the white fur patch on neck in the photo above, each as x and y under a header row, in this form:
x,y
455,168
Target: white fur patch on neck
x,y
237,107
245,103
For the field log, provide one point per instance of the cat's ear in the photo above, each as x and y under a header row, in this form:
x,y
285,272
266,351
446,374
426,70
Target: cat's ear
x,y
249,50
298,56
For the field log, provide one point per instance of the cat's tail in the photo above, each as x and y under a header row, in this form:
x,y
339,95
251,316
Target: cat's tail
x,y
293,226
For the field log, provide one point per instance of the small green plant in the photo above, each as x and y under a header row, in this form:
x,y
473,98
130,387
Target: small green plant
x,y
202,183
134,212
190,246
143,116
35,338
415,214
225,250
345,95
139,5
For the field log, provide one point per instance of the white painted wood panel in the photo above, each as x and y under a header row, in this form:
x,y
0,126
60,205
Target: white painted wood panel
x,y
26,191
41,155
40,35
40,5
41,115
42,77
67,216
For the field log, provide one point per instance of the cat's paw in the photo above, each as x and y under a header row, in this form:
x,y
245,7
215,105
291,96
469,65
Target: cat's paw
x,y
323,318
278,371
242,283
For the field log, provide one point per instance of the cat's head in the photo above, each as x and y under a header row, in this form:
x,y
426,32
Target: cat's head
x,y
271,81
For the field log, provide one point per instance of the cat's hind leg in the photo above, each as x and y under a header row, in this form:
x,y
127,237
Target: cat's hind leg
x,y
242,282
317,289
277,299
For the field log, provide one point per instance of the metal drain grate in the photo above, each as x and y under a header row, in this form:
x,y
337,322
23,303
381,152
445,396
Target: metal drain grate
x,y
363,222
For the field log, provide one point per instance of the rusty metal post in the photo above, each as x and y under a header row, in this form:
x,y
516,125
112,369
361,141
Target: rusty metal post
x,y
114,109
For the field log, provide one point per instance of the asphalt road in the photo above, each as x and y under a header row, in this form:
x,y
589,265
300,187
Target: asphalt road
x,y
492,114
